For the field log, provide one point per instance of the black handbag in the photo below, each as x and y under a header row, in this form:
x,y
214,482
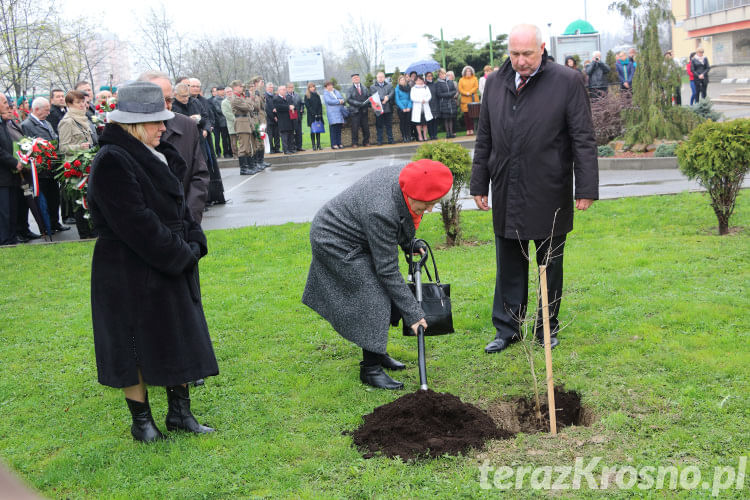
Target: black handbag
x,y
436,296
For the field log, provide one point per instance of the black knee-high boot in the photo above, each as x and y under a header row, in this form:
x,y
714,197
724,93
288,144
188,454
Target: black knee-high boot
x,y
144,428
179,415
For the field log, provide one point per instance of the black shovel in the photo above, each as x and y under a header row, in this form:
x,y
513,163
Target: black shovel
x,y
434,299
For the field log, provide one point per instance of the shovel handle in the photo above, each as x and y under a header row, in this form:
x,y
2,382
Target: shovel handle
x,y
422,365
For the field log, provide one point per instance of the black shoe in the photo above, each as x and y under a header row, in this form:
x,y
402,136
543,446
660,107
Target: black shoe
x,y
144,428
198,382
553,342
497,345
390,141
391,364
30,235
69,220
300,150
376,377
22,238
179,415
60,227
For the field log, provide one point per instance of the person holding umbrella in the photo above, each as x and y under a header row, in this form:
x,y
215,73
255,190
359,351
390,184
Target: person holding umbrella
x,y
354,280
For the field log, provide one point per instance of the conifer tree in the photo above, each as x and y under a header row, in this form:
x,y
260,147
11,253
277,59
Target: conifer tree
x,y
653,116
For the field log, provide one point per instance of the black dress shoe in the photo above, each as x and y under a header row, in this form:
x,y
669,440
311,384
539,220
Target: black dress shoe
x,y
30,235
553,342
60,227
391,364
23,238
198,382
376,377
496,345
69,220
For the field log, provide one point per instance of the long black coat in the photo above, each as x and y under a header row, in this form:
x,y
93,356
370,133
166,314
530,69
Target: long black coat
x,y
314,108
184,136
145,297
529,146
446,95
354,275
282,112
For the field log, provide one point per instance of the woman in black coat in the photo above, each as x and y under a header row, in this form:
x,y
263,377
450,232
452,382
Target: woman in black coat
x,y
700,68
314,113
354,280
446,92
149,326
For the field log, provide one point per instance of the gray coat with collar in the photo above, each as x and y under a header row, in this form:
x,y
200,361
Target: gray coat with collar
x,y
354,276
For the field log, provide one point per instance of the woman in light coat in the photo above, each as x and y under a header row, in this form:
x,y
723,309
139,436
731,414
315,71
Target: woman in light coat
x,y
420,111
335,112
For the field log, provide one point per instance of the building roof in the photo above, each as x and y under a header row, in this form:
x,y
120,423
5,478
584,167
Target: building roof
x,y
579,27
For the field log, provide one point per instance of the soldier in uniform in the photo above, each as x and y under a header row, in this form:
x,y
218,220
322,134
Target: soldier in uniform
x,y
244,125
260,95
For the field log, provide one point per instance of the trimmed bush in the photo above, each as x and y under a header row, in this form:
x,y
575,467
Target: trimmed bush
x,y
604,151
666,150
458,160
705,109
718,155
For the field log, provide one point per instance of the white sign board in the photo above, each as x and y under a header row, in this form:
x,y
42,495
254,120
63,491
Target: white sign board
x,y
400,55
306,67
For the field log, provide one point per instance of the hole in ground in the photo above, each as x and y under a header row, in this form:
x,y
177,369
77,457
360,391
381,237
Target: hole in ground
x,y
519,415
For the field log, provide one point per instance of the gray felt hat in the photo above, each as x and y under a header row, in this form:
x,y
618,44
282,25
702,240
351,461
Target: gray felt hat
x,y
140,102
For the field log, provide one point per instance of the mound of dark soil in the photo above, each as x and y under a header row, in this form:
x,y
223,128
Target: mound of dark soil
x,y
425,423
519,415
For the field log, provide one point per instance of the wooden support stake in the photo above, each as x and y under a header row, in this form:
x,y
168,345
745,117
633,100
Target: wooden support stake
x,y
548,350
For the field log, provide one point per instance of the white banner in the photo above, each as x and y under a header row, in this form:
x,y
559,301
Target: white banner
x,y
306,67
400,55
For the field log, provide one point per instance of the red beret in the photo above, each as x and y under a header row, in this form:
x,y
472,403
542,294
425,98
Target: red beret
x,y
425,180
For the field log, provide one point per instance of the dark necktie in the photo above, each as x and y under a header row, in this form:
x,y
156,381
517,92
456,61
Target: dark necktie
x,y
522,83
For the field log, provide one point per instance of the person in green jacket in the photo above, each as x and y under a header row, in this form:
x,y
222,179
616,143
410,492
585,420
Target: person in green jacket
x,y
226,109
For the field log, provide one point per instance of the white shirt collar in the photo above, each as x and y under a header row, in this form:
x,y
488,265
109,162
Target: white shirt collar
x,y
518,76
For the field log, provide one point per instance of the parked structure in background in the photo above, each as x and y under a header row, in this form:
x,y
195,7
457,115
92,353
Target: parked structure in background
x,y
721,27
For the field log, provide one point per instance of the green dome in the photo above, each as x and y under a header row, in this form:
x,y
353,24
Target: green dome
x,y
579,27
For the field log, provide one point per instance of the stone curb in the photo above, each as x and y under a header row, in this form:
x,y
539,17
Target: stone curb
x,y
328,155
651,163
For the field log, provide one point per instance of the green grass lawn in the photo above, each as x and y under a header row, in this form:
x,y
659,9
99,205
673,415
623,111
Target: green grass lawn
x,y
658,346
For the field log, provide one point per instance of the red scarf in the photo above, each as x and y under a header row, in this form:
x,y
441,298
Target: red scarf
x,y
414,217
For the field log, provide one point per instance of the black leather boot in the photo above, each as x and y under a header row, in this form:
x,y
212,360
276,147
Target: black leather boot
x,y
376,377
263,163
244,167
179,415
144,428
391,364
252,162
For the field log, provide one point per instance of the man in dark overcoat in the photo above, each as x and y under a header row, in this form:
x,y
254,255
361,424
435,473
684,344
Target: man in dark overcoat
x,y
286,127
535,132
359,104
184,136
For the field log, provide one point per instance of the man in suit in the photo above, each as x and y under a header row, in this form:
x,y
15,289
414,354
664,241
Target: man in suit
x,y
272,125
57,107
286,128
535,131
36,125
295,100
9,169
184,135
357,97
384,121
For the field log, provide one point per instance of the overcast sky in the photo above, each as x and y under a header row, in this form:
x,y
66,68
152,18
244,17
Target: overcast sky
x,y
312,23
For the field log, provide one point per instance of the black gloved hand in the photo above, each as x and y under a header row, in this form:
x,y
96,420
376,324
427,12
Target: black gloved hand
x,y
418,247
196,249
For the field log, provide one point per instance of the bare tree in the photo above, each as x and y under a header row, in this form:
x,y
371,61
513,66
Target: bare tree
x,y
76,57
366,40
273,58
163,46
27,36
218,62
